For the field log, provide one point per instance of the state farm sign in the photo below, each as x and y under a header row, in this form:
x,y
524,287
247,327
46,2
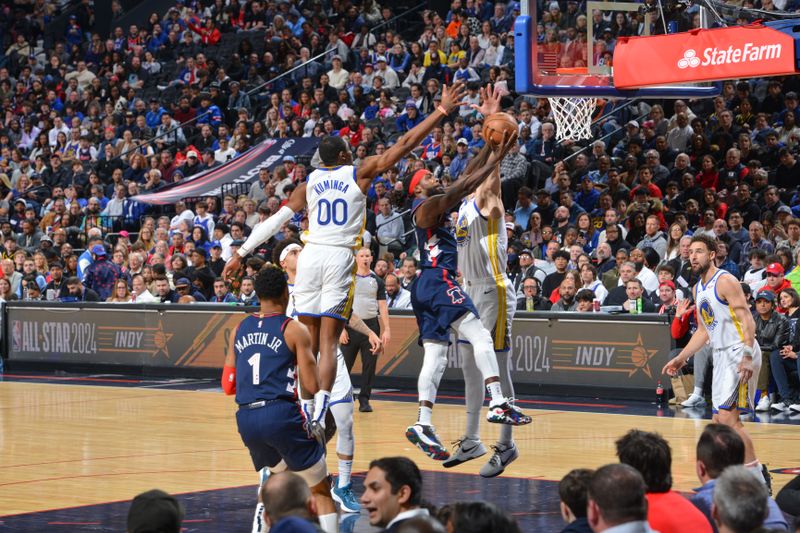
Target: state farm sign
x,y
703,55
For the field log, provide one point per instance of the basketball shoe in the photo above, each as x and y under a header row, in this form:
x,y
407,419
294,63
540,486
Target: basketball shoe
x,y
507,413
465,450
503,456
424,437
345,498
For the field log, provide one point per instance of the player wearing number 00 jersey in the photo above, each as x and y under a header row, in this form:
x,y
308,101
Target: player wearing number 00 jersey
x,y
335,196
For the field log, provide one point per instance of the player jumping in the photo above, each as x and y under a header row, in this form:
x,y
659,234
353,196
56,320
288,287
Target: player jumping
x,y
724,318
335,196
341,402
264,356
482,249
439,304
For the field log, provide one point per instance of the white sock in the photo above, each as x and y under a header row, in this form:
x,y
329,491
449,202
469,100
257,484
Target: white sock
x,y
425,415
258,519
321,400
329,523
496,393
698,391
345,467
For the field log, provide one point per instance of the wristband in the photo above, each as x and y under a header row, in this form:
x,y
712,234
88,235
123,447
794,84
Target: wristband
x,y
442,110
747,351
307,407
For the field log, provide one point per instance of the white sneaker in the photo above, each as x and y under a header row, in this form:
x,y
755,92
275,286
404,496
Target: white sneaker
x,y
795,407
783,405
465,450
258,520
501,458
763,404
694,400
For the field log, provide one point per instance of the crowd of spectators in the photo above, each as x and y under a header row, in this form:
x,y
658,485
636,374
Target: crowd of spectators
x,y
634,495
605,222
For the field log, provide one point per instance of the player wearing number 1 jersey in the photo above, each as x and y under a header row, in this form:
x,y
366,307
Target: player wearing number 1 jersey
x,y
335,196
265,353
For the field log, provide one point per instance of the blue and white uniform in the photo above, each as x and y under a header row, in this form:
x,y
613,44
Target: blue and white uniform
x,y
342,390
727,343
326,266
269,417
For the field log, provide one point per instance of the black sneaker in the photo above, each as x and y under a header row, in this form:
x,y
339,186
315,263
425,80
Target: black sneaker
x,y
364,406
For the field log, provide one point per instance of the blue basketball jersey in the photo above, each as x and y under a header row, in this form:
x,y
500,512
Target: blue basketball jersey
x,y
437,245
266,369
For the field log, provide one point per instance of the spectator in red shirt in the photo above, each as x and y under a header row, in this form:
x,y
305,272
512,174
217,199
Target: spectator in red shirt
x,y
667,511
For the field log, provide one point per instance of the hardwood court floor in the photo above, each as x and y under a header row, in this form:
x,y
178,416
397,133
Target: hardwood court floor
x,y
73,445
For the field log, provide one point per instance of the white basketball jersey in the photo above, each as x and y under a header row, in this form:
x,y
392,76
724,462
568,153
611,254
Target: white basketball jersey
x,y
336,207
482,243
724,329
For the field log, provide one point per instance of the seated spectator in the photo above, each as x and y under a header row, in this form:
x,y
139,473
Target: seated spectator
x,y
74,291
667,511
584,300
222,292
718,448
567,291
121,294
636,298
740,501
475,517
392,493
531,300
573,491
617,501
396,296
289,505
155,510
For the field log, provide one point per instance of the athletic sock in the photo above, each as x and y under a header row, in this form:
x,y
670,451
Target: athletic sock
x,y
425,415
345,467
473,426
698,391
258,519
329,523
496,393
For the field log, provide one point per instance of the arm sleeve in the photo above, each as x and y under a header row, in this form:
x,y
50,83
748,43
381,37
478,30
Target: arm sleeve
x,y
680,326
265,230
229,380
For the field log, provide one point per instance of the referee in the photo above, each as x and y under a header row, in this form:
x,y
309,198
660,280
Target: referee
x,y
369,304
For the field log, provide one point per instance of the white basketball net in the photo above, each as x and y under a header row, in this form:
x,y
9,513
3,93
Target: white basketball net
x,y
573,117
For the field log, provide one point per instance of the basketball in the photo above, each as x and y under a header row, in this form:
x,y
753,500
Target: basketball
x,y
495,125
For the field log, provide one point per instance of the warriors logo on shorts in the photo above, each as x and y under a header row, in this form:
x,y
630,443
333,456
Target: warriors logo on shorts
x,y
462,230
707,315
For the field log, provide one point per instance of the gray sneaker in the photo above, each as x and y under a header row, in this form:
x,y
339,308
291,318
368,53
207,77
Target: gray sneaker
x,y
501,458
465,450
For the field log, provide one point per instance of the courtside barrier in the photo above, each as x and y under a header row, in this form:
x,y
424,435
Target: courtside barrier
x,y
568,353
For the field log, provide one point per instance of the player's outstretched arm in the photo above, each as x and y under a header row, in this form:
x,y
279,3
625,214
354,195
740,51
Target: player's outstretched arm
x,y
452,97
267,229
299,341
431,209
229,367
488,195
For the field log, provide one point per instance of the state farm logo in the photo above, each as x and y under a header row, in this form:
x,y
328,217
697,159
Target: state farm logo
x,y
730,56
689,59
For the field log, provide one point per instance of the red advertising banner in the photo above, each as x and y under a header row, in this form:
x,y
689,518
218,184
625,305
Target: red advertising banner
x,y
703,55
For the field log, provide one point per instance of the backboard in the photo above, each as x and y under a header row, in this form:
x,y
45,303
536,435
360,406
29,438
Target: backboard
x,y
562,51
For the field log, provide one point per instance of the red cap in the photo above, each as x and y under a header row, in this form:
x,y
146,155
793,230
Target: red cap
x,y
416,178
775,268
668,283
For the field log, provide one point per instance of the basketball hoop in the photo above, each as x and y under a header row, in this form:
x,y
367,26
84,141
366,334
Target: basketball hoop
x,y
573,117
573,114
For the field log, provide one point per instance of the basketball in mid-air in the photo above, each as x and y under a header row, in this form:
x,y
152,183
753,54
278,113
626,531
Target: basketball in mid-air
x,y
495,125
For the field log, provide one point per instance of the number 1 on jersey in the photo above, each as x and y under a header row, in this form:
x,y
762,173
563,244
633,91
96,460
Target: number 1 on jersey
x,y
255,363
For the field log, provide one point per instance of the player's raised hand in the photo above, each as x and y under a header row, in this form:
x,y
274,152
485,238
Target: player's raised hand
x,y
233,266
453,96
498,154
673,366
490,98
